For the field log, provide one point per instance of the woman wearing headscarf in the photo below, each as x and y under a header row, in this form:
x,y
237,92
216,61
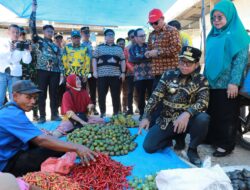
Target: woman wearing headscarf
x,y
75,104
226,59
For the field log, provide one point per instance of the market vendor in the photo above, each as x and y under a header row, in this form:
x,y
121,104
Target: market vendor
x,y
23,147
75,105
184,94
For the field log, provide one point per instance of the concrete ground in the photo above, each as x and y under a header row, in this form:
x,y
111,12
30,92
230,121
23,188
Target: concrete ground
x,y
239,156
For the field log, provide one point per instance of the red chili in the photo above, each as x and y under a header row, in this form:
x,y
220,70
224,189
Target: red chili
x,y
103,174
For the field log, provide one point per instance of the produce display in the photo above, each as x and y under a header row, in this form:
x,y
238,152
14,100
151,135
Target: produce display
x,y
240,179
122,120
50,181
147,183
103,174
112,140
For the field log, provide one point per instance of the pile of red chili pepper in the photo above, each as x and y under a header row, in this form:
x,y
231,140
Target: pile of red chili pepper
x,y
50,181
104,174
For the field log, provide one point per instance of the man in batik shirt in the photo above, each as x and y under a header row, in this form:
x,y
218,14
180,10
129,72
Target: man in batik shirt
x,y
184,94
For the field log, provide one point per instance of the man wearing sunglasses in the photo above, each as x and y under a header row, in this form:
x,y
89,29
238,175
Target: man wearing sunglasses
x,y
184,93
163,45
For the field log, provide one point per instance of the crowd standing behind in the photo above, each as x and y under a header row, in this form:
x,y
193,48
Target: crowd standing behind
x,y
172,94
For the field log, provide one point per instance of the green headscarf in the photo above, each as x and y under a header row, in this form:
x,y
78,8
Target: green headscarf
x,y
224,44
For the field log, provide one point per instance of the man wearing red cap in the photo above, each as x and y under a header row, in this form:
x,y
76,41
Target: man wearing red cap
x,y
163,45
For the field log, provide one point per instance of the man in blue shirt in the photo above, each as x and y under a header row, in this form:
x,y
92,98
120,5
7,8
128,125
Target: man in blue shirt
x,y
23,147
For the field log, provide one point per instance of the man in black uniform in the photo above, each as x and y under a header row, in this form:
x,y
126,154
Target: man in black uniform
x,y
184,94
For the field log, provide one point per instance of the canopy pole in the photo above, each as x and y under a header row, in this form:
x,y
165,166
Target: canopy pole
x,y
203,19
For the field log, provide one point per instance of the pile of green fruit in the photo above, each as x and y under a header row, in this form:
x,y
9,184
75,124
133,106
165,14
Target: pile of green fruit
x,y
123,120
112,140
148,183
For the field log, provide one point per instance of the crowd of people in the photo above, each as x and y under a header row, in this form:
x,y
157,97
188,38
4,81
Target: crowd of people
x,y
163,77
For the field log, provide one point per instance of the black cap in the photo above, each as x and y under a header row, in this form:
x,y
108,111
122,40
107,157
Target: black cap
x,y
109,31
48,26
22,30
58,35
85,30
175,23
190,53
25,87
132,31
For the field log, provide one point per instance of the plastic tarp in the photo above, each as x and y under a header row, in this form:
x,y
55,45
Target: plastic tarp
x,y
90,12
143,163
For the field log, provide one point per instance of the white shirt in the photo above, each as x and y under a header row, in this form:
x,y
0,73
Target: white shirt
x,y
12,59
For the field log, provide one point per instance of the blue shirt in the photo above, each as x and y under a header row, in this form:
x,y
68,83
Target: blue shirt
x,y
16,131
89,46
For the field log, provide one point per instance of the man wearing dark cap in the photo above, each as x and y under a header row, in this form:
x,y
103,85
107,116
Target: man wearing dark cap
x,y
23,147
76,59
109,69
184,94
49,67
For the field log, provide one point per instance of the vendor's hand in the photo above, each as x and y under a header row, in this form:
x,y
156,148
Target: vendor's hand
x,y
91,108
232,91
153,53
144,124
83,123
85,154
95,74
181,123
122,76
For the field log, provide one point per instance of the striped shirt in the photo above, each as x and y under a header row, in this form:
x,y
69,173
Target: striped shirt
x,y
108,60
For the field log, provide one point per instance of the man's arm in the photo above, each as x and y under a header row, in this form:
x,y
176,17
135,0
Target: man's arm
x,y
87,63
157,96
150,41
123,66
137,59
202,98
153,101
55,144
201,103
32,23
60,63
94,62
